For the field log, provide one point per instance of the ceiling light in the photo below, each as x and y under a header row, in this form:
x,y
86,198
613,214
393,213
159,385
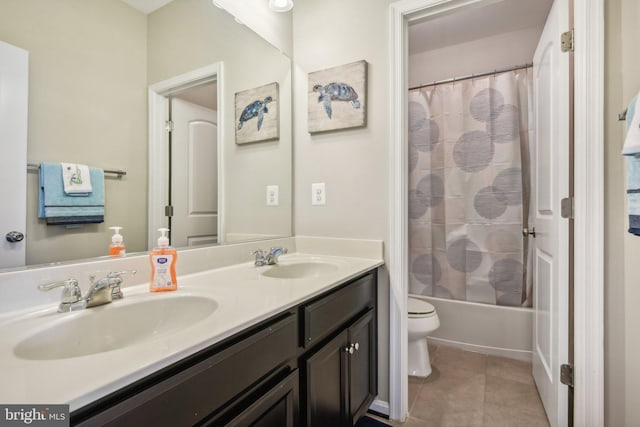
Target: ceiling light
x,y
217,4
280,5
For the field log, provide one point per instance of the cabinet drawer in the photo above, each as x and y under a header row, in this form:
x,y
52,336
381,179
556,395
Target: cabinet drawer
x,y
198,391
326,315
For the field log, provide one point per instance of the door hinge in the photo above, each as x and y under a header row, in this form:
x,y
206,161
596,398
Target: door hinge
x,y
567,42
168,210
168,125
566,207
566,375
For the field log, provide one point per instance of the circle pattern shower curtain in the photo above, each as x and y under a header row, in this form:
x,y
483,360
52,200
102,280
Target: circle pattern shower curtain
x,y
469,189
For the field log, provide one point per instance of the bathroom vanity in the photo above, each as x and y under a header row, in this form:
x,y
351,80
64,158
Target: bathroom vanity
x,y
291,344
316,361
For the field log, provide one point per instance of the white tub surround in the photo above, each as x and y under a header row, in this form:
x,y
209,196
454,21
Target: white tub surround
x,y
245,297
484,328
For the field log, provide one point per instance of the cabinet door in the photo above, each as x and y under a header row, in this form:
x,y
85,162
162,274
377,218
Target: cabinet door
x,y
363,366
326,384
276,408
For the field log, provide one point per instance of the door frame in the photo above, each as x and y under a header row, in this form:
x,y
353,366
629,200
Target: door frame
x,y
159,143
588,205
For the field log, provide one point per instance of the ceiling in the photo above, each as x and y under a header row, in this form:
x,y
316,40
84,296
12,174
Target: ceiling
x,y
147,6
473,23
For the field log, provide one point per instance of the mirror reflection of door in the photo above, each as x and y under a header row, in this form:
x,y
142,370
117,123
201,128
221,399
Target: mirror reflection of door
x,y
193,180
14,97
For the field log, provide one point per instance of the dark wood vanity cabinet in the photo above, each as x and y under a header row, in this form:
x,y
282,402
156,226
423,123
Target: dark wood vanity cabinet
x,y
313,365
208,388
340,374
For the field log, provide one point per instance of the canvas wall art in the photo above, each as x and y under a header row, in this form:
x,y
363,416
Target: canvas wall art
x,y
257,114
338,98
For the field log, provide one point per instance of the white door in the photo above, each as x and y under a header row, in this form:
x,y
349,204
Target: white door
x,y
14,100
194,176
551,184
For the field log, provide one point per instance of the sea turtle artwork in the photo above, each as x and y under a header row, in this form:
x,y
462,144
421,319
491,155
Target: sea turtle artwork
x,y
336,92
255,109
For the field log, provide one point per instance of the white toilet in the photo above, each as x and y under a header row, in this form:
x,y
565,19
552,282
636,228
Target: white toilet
x,y
423,320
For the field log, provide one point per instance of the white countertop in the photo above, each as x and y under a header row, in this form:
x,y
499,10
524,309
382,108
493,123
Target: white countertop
x,y
245,297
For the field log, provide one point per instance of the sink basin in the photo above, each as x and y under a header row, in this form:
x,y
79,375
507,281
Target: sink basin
x,y
114,326
300,270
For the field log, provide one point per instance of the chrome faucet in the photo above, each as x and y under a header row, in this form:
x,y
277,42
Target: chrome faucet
x,y
102,291
268,258
107,289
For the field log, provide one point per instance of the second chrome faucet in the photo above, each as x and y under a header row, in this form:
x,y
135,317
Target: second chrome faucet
x,y
268,257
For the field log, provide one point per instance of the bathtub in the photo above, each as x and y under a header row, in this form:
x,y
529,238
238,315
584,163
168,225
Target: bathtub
x,y
489,329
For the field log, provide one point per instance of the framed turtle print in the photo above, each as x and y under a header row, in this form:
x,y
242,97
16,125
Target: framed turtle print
x,y
257,114
338,98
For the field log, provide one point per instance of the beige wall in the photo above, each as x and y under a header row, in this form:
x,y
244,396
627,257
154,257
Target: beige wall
x,y
473,57
622,290
87,104
274,27
189,34
352,163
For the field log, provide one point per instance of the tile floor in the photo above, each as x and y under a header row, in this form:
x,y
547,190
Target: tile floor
x,y
475,390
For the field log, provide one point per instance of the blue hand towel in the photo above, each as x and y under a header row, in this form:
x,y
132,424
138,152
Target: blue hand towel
x,y
631,151
59,208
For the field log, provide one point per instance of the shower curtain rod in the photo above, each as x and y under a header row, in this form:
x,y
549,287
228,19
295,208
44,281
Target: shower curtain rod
x,y
472,76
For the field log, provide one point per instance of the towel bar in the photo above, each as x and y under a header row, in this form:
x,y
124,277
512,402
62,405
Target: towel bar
x,y
119,173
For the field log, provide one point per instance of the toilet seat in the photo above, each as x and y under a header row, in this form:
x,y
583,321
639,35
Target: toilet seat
x,y
419,308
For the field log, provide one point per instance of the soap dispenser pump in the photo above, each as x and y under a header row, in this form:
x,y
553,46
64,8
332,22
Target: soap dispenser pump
x,y
163,265
117,249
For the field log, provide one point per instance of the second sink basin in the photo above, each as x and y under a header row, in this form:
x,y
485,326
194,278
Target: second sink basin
x,y
114,326
300,270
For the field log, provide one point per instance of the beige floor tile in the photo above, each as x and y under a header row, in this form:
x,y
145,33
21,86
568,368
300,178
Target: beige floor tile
x,y
472,389
510,369
508,392
453,387
415,385
450,413
414,422
496,415
459,362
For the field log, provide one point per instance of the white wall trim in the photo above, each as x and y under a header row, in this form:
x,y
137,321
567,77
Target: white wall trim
x,y
158,143
589,214
380,406
398,289
589,221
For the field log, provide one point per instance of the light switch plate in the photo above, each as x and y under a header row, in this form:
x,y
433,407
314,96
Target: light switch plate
x,y
272,195
318,194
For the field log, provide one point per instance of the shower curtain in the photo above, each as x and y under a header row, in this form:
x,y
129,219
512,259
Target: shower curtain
x,y
469,189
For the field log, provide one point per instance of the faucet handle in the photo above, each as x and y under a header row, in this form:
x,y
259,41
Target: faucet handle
x,y
71,294
260,257
119,274
116,292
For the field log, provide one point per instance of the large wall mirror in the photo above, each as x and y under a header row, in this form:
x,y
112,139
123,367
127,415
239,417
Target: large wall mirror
x,y
91,67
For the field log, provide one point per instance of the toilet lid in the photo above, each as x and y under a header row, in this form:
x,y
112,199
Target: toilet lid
x,y
417,307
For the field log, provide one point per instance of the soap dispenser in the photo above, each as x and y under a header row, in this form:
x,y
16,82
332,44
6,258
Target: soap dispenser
x,y
163,265
117,249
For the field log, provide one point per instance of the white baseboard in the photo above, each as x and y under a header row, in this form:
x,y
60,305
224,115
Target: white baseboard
x,y
380,406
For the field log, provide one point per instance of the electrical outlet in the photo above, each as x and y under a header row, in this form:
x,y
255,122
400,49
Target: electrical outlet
x,y
318,194
272,195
